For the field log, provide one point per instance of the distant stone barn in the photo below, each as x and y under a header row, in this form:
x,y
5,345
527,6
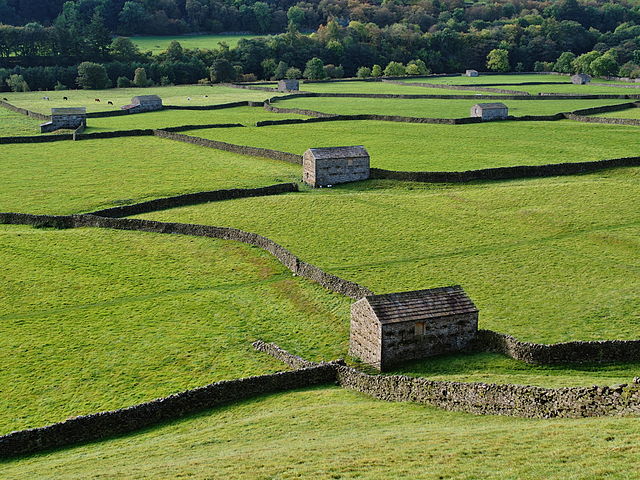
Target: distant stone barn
x,y
288,85
490,111
471,73
143,103
580,79
322,167
68,118
396,327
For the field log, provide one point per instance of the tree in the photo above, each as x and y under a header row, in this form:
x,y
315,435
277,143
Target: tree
x,y
123,82
293,73
376,71
363,72
582,64
314,69
140,78
132,18
332,71
17,83
295,15
222,71
498,60
281,71
564,63
123,49
262,13
98,35
175,53
420,67
606,64
394,69
92,76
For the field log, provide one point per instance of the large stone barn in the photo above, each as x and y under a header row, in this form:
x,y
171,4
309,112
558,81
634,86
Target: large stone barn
x,y
490,111
471,73
580,79
396,327
70,118
322,167
288,85
143,103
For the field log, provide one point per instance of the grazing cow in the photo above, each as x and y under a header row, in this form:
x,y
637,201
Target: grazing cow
x,y
5,99
206,96
97,100
109,102
188,99
45,98
65,98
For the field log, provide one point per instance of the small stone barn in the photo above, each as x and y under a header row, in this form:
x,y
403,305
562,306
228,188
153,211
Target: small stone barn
x,y
322,167
490,111
143,103
396,327
70,118
288,85
471,73
580,79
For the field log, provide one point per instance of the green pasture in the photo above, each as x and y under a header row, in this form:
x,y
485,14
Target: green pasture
x,y
329,433
174,118
434,108
379,87
158,44
546,260
426,147
577,89
73,177
15,125
501,79
96,319
633,113
175,95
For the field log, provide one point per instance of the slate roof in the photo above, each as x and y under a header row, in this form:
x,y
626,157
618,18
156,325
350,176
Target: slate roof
x,y
141,99
69,111
338,152
420,304
491,106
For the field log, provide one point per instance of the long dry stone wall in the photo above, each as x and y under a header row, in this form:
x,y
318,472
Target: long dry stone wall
x,y
605,120
102,425
284,256
293,361
194,199
24,111
459,87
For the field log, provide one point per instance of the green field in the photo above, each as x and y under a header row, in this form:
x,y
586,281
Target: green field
x,y
501,79
158,44
425,147
176,95
633,113
99,319
73,177
16,125
328,433
174,118
434,108
545,260
379,87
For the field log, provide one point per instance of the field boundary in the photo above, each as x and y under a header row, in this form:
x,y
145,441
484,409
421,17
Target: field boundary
x,y
285,257
194,199
457,87
98,426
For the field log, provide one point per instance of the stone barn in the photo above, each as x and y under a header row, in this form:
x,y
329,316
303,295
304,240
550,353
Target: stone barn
x,y
322,167
143,103
396,327
490,111
471,73
288,85
70,118
580,79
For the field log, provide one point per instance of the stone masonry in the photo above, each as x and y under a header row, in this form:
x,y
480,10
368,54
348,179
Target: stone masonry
x,y
143,103
68,118
288,85
323,167
580,79
471,73
490,111
393,328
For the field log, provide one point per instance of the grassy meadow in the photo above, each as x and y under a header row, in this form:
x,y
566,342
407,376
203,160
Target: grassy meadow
x,y
434,108
75,177
425,147
632,113
500,79
158,44
329,433
546,260
174,95
378,87
97,319
15,125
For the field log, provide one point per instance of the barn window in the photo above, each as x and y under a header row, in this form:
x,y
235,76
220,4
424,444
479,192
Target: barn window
x,y
419,329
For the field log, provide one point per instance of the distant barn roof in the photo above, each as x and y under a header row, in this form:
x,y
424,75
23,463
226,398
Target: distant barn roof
x,y
491,106
339,152
421,304
69,111
146,98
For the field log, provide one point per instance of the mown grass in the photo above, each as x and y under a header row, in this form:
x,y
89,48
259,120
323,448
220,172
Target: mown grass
x,y
157,44
500,79
545,260
175,118
379,87
73,177
329,433
633,113
434,108
15,125
424,147
175,95
579,89
97,319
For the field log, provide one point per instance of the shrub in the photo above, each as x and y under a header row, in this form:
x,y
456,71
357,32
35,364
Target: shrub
x,y
315,69
376,71
498,60
92,76
332,71
293,73
364,72
17,83
123,82
140,78
395,69
59,86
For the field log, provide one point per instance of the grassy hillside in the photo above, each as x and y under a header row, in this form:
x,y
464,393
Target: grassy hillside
x,y
434,108
328,433
423,147
377,87
157,44
545,260
73,177
99,319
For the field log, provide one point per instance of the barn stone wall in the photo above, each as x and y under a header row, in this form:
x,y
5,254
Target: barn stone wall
x,y
321,172
365,334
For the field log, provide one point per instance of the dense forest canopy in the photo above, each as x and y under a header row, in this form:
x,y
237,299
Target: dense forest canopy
x,y
45,40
